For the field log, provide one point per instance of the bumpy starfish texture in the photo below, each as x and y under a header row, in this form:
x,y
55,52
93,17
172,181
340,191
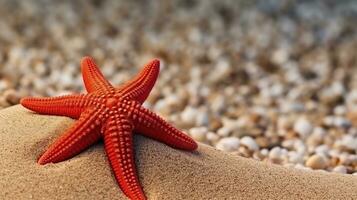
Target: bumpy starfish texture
x,y
112,114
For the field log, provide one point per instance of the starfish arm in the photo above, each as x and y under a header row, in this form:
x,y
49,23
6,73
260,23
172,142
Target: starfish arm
x,y
140,87
119,148
68,105
92,77
151,125
82,134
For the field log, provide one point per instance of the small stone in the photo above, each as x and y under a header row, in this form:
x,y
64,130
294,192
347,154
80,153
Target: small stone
x,y
322,149
295,157
212,137
202,118
349,142
303,127
228,144
300,166
329,120
264,152
340,169
3,102
316,162
11,96
340,110
224,131
341,122
215,124
189,115
275,154
244,151
263,142
249,143
198,133
218,104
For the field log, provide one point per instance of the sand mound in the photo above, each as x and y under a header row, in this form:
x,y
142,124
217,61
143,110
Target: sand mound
x,y
165,173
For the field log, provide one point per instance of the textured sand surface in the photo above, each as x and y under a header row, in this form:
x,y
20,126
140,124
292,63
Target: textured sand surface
x,y
165,173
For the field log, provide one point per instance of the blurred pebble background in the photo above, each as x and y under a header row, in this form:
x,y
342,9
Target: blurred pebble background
x,y
273,80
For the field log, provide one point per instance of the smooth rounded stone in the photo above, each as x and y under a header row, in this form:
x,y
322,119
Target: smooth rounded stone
x,y
303,127
341,122
300,146
275,154
11,96
289,143
198,133
316,138
289,107
295,157
322,149
263,142
284,123
280,56
352,115
345,159
228,144
317,161
202,118
3,102
189,115
249,143
172,100
329,120
218,104
212,137
228,127
221,71
349,142
224,131
302,167
4,84
340,169
160,106
340,110
264,152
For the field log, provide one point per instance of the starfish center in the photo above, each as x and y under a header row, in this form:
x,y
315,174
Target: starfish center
x,y
111,101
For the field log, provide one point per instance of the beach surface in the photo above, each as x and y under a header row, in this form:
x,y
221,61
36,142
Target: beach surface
x,y
164,173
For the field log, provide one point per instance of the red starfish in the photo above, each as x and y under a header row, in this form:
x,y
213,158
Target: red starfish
x,y
113,114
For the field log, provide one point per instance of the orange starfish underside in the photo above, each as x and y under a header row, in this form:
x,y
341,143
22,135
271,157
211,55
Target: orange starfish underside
x,y
112,114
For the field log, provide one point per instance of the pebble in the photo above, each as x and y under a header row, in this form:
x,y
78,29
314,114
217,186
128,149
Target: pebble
x,y
317,162
228,144
340,169
276,154
303,127
224,131
198,133
189,115
249,143
295,157
212,137
349,142
11,96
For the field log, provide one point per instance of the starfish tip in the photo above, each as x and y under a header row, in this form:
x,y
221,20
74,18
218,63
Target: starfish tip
x,y
154,65
155,62
41,161
86,59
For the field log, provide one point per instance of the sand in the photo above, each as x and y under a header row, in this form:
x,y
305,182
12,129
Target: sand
x,y
165,173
